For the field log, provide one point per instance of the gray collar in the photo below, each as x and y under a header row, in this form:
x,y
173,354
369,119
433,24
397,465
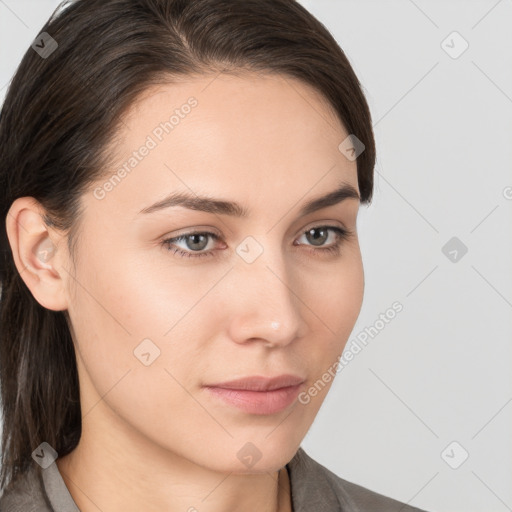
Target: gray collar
x,y
56,490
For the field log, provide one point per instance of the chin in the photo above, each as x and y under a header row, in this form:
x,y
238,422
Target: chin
x,y
244,456
261,455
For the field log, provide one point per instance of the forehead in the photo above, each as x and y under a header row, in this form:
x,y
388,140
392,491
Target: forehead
x,y
263,103
247,89
233,136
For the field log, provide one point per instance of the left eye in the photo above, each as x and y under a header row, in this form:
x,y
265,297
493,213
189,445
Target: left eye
x,y
195,241
198,241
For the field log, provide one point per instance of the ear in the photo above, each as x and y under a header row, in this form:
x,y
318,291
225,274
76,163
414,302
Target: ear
x,y
37,254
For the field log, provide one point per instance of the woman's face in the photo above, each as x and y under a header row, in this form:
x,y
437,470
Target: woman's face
x,y
154,322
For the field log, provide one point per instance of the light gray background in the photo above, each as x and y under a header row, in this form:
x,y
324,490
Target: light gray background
x,y
440,371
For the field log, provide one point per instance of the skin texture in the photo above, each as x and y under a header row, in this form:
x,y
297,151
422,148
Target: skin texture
x,y
153,438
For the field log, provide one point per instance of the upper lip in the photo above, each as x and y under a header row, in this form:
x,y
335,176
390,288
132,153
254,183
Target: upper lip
x,y
259,383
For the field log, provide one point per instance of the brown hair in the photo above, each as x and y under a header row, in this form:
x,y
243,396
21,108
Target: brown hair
x,y
60,114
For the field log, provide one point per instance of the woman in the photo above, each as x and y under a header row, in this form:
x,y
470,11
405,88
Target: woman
x,y
181,182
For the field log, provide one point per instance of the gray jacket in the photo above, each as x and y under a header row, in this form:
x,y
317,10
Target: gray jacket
x,y
313,488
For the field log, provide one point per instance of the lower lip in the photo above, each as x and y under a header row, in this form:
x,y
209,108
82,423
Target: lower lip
x,y
258,402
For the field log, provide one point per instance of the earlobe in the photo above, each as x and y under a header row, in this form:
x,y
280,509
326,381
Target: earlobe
x,y
35,253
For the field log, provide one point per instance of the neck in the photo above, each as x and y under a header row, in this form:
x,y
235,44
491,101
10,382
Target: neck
x,y
117,470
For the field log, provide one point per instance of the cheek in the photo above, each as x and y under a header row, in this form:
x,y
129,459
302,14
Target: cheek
x,y
120,303
338,309
116,313
337,295
107,313
102,334
337,306
342,303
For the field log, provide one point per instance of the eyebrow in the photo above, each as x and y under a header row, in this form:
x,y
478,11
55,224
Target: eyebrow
x,y
234,209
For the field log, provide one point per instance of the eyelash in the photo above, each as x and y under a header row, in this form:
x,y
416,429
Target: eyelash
x,y
341,235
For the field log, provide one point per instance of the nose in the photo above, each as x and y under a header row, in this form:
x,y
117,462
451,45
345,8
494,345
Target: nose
x,y
266,305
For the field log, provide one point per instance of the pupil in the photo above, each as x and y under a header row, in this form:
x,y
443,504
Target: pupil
x,y
321,237
194,241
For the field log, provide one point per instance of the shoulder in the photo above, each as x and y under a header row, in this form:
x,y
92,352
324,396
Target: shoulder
x,y
314,487
25,494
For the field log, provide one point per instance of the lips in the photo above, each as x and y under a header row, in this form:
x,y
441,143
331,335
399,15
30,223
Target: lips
x,y
258,395
258,383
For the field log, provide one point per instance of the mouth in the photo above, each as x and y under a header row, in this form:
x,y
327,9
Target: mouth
x,y
258,395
